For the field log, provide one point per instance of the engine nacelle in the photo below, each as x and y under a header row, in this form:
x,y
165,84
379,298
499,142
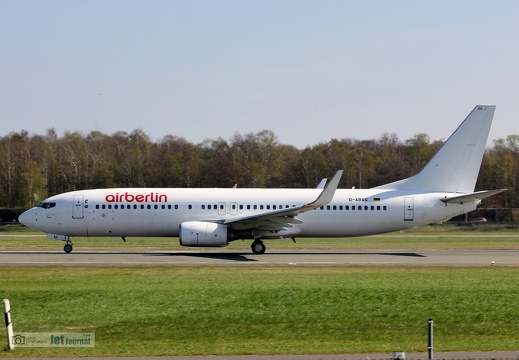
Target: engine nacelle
x,y
201,233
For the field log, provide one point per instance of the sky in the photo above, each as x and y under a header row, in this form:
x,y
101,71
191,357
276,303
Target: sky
x,y
309,71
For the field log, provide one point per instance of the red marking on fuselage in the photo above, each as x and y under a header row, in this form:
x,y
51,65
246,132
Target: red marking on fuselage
x,y
127,197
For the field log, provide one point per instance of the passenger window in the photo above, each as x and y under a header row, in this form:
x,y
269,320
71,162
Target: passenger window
x,y
203,207
103,206
142,206
135,207
97,206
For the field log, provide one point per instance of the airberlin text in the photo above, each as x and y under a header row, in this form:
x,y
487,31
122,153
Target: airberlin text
x,y
127,197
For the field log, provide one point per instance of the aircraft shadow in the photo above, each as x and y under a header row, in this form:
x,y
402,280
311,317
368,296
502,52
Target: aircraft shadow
x,y
407,254
212,255
247,256
229,256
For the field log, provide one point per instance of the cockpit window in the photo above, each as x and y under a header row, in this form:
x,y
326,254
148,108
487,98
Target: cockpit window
x,y
47,205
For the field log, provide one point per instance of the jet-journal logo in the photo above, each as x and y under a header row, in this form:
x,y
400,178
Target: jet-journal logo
x,y
54,339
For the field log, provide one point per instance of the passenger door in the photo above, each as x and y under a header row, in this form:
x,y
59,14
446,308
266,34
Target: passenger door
x,y
79,205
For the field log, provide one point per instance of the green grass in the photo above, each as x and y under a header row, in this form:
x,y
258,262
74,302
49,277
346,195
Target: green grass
x,y
438,237
155,311
152,311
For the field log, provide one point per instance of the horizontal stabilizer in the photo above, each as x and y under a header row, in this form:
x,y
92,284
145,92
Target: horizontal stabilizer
x,y
480,195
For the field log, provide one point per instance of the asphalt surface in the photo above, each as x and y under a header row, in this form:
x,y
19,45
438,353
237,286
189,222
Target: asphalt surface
x,y
272,258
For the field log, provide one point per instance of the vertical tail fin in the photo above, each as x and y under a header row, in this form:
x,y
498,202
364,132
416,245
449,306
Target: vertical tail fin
x,y
455,167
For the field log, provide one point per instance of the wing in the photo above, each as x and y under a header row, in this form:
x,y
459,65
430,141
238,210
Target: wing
x,y
283,222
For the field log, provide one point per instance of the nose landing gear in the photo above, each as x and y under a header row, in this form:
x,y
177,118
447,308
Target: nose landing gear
x,y
68,247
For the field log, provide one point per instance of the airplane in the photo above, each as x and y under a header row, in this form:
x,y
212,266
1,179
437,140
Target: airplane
x,y
214,217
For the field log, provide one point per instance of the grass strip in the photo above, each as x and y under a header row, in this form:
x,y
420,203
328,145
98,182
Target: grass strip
x,y
154,311
437,237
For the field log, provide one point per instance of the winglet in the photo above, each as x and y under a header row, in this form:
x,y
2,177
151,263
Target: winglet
x,y
326,195
322,184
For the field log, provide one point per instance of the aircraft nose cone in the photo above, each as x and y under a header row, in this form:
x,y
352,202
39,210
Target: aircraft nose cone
x,y
26,218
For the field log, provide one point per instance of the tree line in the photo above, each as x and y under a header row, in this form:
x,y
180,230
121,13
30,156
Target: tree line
x,y
33,167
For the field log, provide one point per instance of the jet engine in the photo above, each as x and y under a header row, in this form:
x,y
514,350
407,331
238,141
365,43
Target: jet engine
x,y
201,233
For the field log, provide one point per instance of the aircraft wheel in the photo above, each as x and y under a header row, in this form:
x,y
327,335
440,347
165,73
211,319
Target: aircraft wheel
x,y
67,248
258,247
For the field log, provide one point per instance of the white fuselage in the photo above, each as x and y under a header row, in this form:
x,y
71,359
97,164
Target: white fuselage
x,y
213,217
159,212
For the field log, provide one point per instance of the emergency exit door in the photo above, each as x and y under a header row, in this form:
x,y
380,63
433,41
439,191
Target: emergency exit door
x,y
408,209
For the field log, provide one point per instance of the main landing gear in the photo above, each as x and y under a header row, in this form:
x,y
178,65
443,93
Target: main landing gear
x,y
68,247
258,247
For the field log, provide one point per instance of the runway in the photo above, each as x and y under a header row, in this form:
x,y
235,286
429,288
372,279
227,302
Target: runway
x,y
470,258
